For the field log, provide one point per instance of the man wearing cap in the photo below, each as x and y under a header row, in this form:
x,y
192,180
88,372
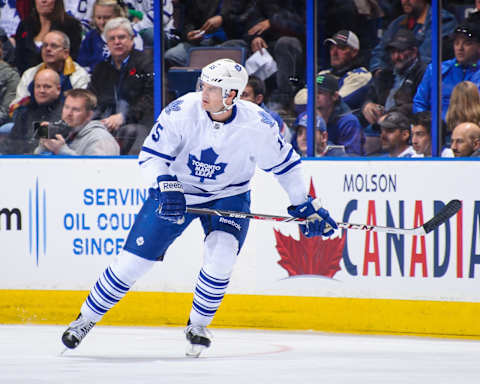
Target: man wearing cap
x,y
342,126
417,17
395,134
464,67
353,79
322,147
396,85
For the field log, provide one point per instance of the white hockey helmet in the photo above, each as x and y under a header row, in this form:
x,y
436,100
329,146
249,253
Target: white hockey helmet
x,y
228,75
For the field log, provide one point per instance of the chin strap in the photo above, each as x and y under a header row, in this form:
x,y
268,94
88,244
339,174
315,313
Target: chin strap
x,y
225,108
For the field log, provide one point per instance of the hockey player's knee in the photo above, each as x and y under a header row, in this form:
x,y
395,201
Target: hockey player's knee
x,y
129,267
221,250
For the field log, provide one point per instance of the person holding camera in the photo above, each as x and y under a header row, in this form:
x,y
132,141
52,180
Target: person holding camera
x,y
45,105
77,134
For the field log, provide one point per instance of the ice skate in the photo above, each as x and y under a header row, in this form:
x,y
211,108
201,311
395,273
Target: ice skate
x,y
76,331
198,339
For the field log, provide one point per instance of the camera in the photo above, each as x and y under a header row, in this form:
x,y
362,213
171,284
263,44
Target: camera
x,y
48,131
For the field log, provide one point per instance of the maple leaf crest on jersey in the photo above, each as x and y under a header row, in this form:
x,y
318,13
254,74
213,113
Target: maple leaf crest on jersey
x,y
267,118
173,106
205,167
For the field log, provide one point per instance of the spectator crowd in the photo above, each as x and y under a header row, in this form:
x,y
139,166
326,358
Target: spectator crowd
x,y
87,66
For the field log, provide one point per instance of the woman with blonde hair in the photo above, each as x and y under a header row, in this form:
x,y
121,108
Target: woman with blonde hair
x,y
464,105
94,48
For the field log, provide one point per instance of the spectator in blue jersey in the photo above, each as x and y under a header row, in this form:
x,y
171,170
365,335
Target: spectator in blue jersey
x,y
255,92
94,48
463,67
395,135
322,146
342,126
396,85
56,56
417,17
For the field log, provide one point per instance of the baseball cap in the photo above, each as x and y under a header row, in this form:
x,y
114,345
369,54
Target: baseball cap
x,y
345,38
469,30
395,120
301,121
403,39
327,82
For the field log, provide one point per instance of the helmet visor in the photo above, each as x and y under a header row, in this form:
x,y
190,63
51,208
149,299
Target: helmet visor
x,y
203,86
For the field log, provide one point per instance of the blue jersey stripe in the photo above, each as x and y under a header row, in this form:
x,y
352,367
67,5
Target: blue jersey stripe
x,y
162,155
286,169
289,155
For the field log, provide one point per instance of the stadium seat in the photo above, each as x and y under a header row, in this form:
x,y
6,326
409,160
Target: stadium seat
x,y
182,80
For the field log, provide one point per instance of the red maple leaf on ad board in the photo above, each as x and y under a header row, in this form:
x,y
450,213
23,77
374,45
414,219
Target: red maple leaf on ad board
x,y
309,256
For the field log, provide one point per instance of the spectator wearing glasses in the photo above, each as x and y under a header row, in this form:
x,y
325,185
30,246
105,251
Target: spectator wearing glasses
x,y
463,67
55,56
123,85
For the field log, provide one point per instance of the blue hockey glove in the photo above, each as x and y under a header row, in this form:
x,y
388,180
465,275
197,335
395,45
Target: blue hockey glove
x,y
171,205
319,222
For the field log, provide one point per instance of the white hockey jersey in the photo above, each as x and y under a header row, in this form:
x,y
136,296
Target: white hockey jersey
x,y
215,160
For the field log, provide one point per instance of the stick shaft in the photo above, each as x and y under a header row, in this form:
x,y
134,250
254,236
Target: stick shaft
x,y
441,217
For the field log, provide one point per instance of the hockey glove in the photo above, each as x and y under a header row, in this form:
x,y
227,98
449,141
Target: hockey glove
x,y
318,221
171,205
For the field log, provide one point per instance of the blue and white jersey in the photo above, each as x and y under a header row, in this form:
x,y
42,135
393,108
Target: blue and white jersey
x,y
9,17
82,10
215,160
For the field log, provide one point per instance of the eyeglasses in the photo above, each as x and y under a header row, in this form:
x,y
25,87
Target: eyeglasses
x,y
52,46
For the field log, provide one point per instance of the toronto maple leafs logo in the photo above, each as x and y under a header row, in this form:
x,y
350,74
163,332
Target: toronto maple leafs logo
x,y
173,106
205,167
267,118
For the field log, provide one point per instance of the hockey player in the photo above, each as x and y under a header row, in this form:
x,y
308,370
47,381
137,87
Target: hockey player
x,y
202,152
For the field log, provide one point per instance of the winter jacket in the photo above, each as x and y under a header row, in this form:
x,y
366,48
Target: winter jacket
x,y
423,32
8,84
128,90
73,76
22,138
90,140
27,53
383,83
353,82
452,74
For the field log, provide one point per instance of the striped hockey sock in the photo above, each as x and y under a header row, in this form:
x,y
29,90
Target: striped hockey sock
x,y
208,296
106,292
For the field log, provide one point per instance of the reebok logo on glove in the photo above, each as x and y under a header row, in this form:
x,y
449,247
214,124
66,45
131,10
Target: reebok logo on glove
x,y
170,186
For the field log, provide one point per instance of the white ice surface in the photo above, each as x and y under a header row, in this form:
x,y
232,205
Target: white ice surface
x,y
113,355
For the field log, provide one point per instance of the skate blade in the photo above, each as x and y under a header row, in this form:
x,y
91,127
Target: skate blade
x,y
194,350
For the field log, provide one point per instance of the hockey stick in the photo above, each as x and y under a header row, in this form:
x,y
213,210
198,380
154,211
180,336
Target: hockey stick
x,y
441,217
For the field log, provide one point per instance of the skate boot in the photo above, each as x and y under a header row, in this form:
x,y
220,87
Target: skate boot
x,y
198,339
76,331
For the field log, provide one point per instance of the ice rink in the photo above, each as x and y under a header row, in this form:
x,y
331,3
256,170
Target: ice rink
x,y
113,355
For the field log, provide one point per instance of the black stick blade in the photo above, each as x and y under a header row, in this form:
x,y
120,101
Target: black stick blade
x,y
441,217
